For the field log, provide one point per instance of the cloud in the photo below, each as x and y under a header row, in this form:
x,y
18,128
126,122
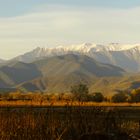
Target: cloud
x,y
55,25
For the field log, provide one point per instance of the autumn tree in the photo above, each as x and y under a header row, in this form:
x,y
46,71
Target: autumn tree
x,y
135,95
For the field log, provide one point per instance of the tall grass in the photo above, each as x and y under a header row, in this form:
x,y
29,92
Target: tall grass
x,y
63,123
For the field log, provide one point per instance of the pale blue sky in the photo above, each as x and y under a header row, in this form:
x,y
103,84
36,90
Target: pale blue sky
x,y
18,7
27,24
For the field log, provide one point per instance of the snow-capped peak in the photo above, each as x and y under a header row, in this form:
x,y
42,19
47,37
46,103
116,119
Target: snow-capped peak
x,y
86,47
114,53
81,47
122,47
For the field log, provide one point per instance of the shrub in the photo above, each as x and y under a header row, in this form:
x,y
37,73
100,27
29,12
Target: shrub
x,y
96,97
119,98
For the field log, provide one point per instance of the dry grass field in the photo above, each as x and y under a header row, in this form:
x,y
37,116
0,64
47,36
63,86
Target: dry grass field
x,y
43,117
65,103
68,123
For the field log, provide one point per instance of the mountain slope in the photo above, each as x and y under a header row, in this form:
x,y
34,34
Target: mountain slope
x,y
106,85
111,85
16,73
61,72
2,61
78,64
124,56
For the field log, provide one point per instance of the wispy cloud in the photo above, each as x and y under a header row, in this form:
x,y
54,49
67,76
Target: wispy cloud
x,y
53,25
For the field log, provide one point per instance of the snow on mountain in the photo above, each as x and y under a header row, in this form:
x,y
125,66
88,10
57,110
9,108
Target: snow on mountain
x,y
87,47
2,61
97,47
125,56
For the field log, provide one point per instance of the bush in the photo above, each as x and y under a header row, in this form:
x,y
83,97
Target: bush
x,y
96,97
119,98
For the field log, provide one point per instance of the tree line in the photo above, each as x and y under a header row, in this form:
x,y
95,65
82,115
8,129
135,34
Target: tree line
x,y
78,93
81,93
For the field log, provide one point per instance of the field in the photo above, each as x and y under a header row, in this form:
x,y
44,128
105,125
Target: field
x,y
64,103
69,123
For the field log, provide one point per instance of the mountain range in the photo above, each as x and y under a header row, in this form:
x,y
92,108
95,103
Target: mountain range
x,y
124,56
104,68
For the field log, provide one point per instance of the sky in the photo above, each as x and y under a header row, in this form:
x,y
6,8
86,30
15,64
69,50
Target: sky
x,y
27,24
